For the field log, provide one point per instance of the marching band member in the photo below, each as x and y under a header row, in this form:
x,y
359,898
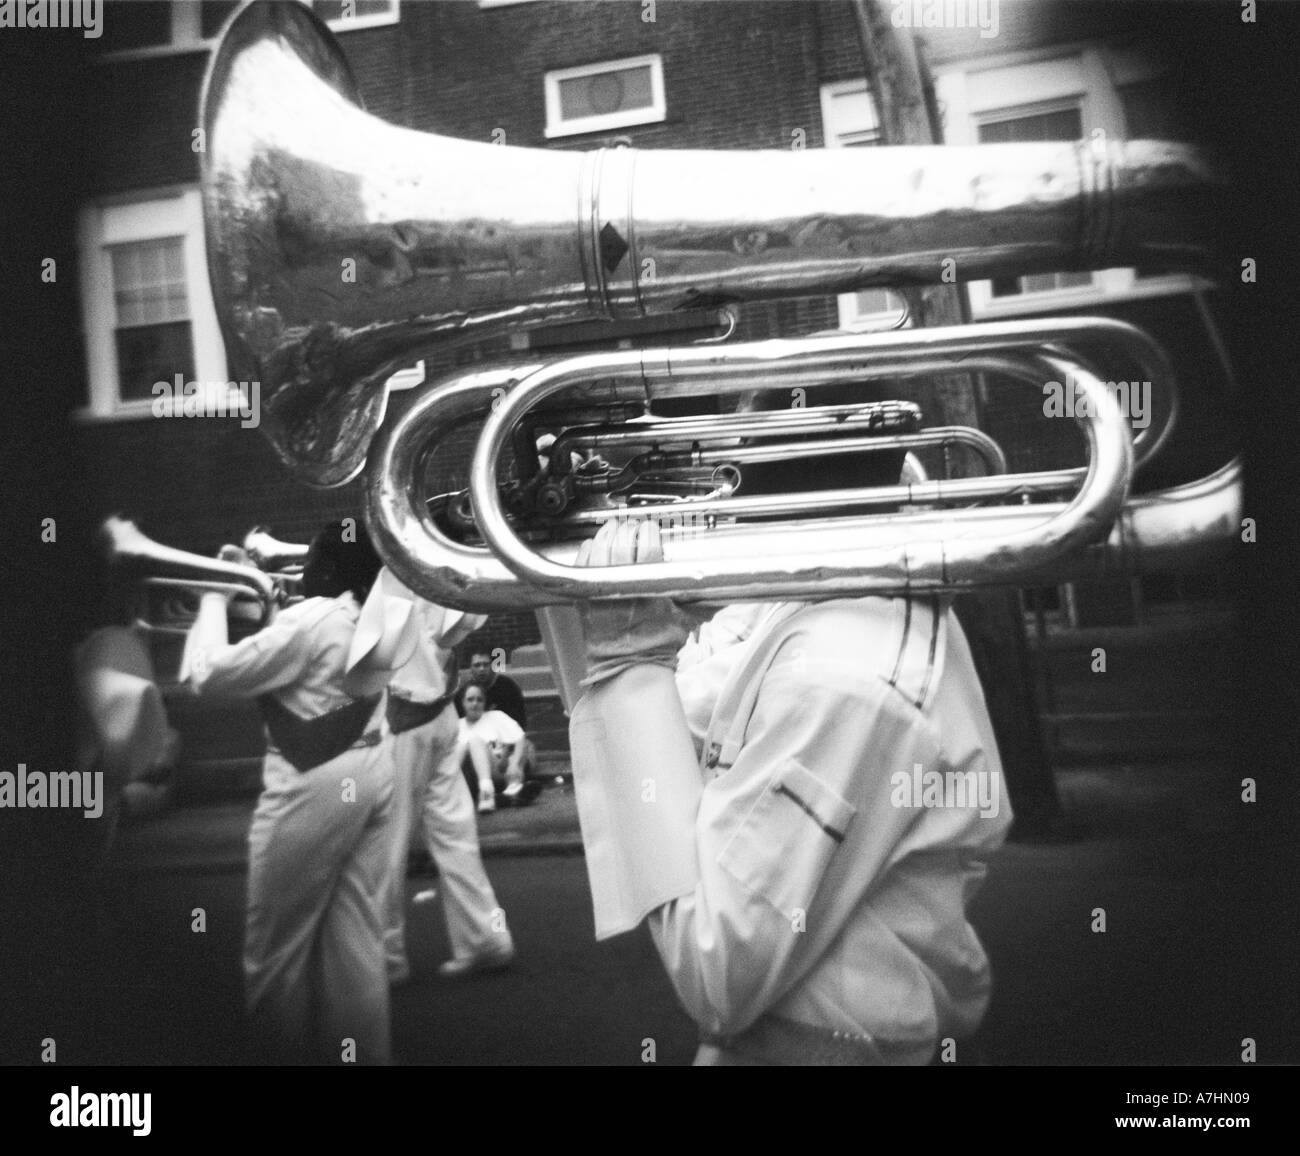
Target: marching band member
x,y
431,790
759,810
322,830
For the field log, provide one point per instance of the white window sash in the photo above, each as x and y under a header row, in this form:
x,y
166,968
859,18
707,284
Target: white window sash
x,y
153,216
556,126
972,92
836,136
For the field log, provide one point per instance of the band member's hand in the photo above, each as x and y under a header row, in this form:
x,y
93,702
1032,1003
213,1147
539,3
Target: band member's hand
x,y
235,554
626,632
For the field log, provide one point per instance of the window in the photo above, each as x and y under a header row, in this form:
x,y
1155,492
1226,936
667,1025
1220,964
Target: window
x,y
849,117
152,330
145,28
1059,93
849,120
1049,124
597,97
146,303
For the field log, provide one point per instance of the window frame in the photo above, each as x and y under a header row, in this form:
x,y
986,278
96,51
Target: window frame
x,y
656,113
847,303
150,215
971,92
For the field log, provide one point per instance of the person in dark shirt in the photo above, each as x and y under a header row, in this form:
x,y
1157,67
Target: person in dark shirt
x,y
502,692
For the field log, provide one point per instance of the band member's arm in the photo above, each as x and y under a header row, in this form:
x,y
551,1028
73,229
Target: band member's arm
x,y
274,657
772,835
634,768
731,874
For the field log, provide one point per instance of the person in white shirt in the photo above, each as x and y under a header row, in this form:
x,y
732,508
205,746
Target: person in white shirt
x,y
432,791
801,812
495,746
313,957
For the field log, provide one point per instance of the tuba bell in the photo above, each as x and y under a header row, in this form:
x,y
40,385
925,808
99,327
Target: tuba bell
x,y
342,248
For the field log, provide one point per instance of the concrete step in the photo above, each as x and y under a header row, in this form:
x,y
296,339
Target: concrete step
x,y
531,669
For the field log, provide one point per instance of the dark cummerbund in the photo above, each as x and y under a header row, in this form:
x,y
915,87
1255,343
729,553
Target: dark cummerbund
x,y
404,715
308,742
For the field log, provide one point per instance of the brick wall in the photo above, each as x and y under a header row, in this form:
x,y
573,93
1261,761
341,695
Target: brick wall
x,y
738,74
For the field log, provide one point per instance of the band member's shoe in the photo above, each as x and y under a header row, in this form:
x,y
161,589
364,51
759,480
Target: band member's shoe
x,y
495,960
487,800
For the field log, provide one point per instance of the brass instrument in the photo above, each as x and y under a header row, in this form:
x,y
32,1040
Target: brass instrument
x,y
283,560
179,576
342,248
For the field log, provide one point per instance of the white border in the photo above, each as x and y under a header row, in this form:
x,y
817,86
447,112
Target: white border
x,y
657,112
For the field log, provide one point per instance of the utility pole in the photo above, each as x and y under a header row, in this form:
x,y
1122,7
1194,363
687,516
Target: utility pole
x,y
993,619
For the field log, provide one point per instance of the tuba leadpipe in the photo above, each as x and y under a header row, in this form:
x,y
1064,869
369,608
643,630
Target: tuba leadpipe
x,y
450,240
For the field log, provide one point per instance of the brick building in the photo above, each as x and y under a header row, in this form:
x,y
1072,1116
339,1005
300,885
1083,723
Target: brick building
x,y
546,75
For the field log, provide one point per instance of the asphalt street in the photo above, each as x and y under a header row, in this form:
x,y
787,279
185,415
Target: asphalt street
x,y
1193,958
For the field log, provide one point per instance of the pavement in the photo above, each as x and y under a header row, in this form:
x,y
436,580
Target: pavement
x,y
211,836
1155,928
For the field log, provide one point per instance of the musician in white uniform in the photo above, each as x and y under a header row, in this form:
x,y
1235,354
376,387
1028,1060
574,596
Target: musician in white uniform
x,y
322,831
771,809
432,791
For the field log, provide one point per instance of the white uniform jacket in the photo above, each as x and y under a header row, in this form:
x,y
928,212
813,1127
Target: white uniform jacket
x,y
423,679
300,657
847,795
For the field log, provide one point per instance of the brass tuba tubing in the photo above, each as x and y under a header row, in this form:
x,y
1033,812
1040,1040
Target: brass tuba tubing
x,y
762,423
865,567
989,451
470,577
929,492
455,239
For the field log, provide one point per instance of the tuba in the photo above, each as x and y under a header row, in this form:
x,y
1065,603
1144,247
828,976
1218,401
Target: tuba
x,y
342,248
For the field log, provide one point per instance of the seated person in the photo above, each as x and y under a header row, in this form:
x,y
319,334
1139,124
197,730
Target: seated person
x,y
502,692
493,750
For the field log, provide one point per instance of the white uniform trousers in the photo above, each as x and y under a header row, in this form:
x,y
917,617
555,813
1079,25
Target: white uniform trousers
x,y
313,953
431,791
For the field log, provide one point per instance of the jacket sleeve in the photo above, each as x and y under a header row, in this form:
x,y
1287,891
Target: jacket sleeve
x,y
770,830
275,656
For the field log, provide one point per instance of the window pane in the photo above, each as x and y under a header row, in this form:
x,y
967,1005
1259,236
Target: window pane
x,y
853,113
149,282
877,301
1062,124
153,353
617,90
